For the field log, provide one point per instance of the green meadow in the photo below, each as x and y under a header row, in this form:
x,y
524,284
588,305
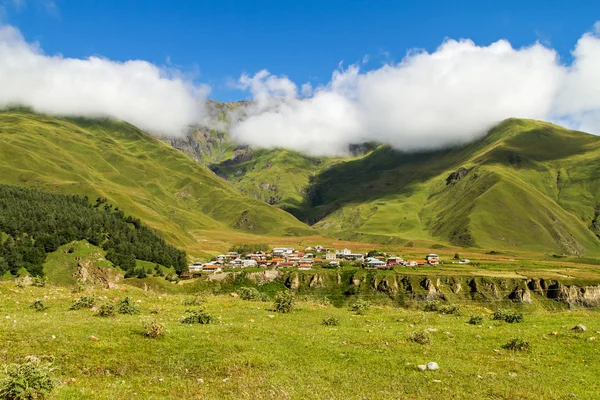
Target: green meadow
x,y
250,351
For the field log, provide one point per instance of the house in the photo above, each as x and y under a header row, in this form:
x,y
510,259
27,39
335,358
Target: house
x,y
211,268
434,261
249,263
232,255
282,251
221,257
432,256
411,263
354,256
304,265
308,248
319,248
373,263
195,267
391,261
330,256
465,261
308,256
285,264
334,264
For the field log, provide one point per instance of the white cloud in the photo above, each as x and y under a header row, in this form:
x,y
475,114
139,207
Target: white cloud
x,y
152,98
428,100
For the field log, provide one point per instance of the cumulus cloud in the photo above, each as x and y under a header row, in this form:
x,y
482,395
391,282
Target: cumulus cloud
x,y
152,98
428,100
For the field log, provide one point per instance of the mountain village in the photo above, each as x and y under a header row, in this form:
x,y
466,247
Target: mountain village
x,y
318,256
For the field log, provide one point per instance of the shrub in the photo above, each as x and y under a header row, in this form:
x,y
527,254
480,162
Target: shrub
x,y
38,305
431,306
106,310
29,380
517,345
420,337
331,321
284,302
360,307
249,293
508,316
38,281
450,309
197,317
83,302
193,301
127,306
476,320
153,329
265,297
78,288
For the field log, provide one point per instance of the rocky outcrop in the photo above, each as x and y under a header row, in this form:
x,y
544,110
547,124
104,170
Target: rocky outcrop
x,y
316,281
520,294
293,281
456,176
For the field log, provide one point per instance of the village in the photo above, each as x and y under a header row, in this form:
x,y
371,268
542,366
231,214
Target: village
x,y
318,256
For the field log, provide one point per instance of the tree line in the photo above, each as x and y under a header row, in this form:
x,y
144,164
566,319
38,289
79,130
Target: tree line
x,y
34,223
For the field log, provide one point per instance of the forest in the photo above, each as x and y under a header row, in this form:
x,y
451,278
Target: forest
x,y
34,223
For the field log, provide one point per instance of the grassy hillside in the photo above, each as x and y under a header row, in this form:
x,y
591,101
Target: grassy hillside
x,y
142,175
527,184
251,352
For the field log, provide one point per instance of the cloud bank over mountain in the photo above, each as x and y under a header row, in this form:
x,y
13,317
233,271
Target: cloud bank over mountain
x,y
152,98
428,100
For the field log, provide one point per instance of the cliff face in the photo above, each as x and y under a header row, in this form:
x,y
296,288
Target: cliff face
x,y
339,286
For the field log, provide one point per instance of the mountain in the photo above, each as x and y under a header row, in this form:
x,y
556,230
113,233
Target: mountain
x,y
526,184
145,177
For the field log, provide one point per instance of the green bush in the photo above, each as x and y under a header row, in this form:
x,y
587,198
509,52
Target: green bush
x,y
249,293
476,320
517,345
38,281
153,329
331,321
38,305
83,302
31,379
106,310
420,337
127,306
360,307
197,317
436,306
284,302
508,316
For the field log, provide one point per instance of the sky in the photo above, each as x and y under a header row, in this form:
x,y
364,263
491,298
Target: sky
x,y
323,74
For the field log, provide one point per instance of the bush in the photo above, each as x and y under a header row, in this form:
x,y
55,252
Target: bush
x,y
360,307
106,310
127,306
420,337
197,317
436,306
29,380
508,316
153,329
38,305
264,297
476,320
431,306
83,302
450,309
517,345
284,302
331,321
249,293
38,281
193,301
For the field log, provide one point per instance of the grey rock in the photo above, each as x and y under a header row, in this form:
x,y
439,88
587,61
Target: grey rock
x,y
580,328
422,367
432,366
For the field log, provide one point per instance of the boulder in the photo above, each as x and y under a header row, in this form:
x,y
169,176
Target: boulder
x,y
432,366
579,328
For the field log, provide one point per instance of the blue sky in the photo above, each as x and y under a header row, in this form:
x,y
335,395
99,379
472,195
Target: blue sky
x,y
304,40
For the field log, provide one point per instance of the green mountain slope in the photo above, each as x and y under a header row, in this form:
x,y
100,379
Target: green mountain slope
x,y
527,184
142,175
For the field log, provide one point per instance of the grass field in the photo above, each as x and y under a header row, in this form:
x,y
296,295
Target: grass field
x,y
252,352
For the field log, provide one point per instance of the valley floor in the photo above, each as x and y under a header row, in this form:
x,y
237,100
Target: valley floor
x,y
252,352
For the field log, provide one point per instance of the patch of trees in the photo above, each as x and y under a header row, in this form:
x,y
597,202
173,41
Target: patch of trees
x,y
35,223
250,248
